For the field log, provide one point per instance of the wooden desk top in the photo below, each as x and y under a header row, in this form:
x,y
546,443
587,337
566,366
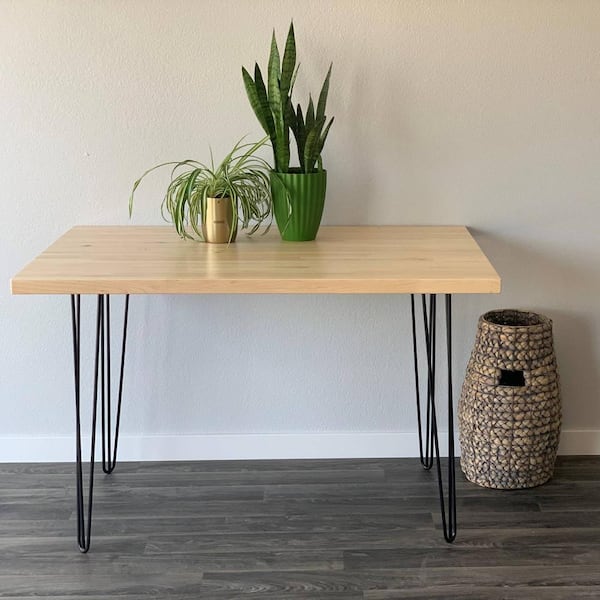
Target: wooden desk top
x,y
343,260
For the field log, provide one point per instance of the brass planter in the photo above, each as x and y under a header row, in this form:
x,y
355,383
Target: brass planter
x,y
219,225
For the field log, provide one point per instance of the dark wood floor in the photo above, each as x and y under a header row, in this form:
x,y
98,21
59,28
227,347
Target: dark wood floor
x,y
351,529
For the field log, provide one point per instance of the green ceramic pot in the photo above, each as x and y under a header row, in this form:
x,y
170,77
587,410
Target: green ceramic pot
x,y
298,200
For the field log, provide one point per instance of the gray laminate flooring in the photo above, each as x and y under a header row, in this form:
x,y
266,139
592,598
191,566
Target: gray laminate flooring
x,y
331,529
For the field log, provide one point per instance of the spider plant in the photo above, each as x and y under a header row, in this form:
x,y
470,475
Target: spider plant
x,y
241,176
272,104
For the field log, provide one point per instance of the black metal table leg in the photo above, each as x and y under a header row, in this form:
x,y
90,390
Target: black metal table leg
x,y
109,451
430,451
102,379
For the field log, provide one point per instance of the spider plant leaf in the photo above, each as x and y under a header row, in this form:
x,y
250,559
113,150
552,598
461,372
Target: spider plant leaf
x,y
212,159
240,163
184,163
289,62
323,96
137,183
197,208
179,211
241,175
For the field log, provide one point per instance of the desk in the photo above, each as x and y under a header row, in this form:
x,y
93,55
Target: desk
x,y
104,261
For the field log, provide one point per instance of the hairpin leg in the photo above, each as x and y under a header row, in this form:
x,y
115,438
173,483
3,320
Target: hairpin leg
x,y
431,449
102,380
109,451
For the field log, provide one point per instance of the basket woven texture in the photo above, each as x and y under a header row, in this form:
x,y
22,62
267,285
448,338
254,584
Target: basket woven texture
x,y
509,433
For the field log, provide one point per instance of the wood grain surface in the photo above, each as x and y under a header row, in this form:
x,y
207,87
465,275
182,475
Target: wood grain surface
x,y
291,530
343,260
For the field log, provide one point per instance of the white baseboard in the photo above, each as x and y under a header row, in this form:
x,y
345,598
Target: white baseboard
x,y
579,441
220,446
256,446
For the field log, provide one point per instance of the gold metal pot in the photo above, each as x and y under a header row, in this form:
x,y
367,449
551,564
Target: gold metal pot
x,y
219,226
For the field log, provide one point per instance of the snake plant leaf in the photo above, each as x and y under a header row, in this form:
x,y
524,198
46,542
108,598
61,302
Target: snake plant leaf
x,y
323,95
324,135
311,148
289,62
261,92
285,151
310,114
300,135
279,125
300,116
273,69
278,149
281,147
309,156
275,105
293,82
275,99
276,114
254,99
290,115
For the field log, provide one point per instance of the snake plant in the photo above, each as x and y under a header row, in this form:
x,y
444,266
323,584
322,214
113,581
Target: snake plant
x,y
241,176
272,104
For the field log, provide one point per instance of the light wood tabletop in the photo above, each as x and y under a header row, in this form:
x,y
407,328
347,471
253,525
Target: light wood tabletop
x,y
343,260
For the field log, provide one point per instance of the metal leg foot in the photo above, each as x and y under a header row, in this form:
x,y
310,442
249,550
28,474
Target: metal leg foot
x,y
429,447
102,380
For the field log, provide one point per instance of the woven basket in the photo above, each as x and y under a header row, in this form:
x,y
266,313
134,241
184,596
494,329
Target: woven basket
x,y
509,410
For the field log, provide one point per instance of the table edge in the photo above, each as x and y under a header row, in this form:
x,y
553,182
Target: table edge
x,y
41,286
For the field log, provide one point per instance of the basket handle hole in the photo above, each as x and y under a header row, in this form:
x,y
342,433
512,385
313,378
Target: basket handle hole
x,y
511,378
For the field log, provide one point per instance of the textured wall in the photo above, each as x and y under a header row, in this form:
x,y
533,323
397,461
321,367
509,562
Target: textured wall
x,y
477,113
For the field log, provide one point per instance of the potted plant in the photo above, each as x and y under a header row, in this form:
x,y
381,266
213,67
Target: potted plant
x,y
298,192
206,203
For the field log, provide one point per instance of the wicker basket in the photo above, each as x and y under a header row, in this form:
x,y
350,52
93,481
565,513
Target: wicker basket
x,y
509,410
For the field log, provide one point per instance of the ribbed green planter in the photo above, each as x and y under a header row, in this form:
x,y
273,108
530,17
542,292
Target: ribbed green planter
x,y
298,200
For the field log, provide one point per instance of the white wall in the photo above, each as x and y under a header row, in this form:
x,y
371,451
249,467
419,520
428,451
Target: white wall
x,y
483,113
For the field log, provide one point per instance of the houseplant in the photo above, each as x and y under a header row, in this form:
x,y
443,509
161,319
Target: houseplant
x,y
206,203
298,192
